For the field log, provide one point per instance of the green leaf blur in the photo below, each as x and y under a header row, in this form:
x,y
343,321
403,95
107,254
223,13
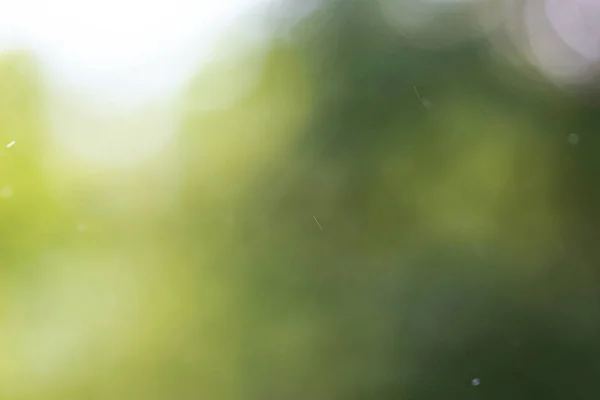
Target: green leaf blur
x,y
365,220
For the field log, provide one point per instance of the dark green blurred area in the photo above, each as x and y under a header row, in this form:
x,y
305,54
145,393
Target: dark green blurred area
x,y
371,221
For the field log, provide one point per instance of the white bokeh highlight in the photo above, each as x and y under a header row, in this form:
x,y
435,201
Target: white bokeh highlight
x,y
577,22
114,69
123,49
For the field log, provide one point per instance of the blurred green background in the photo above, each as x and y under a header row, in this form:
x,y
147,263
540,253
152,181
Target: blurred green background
x,y
368,219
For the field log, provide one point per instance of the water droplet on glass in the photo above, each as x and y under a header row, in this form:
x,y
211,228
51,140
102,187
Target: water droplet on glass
x,y
573,139
475,382
10,144
6,192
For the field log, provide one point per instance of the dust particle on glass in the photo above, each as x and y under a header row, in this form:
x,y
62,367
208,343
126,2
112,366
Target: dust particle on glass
x,y
417,92
317,221
6,192
475,382
426,103
10,144
573,139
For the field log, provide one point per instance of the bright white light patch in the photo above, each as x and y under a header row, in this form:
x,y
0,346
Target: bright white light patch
x,y
118,48
113,68
563,38
577,22
96,136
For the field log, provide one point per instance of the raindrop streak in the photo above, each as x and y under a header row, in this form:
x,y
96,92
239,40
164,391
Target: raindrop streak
x,y
475,382
417,93
11,144
317,221
425,102
573,139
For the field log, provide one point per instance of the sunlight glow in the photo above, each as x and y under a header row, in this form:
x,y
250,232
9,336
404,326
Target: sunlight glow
x,y
120,46
113,60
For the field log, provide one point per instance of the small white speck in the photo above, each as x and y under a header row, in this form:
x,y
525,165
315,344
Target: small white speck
x,y
6,192
573,139
475,382
10,144
427,104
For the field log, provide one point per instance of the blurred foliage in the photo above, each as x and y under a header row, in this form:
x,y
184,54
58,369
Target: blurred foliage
x,y
365,219
31,216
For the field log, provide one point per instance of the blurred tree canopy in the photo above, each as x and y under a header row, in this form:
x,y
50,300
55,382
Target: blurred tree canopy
x,y
457,221
32,219
367,219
